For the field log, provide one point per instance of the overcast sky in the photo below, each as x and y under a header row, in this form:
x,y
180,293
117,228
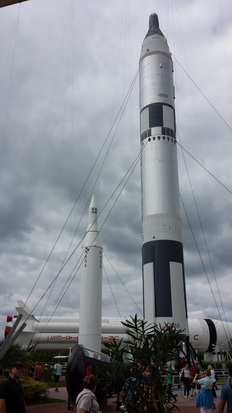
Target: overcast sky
x,y
65,69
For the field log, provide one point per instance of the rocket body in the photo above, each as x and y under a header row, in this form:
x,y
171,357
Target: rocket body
x,y
91,286
205,335
164,293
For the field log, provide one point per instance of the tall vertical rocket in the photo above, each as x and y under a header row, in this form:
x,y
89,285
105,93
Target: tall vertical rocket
x,y
91,285
164,294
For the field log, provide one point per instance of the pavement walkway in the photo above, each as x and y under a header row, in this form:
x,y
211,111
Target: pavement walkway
x,y
52,407
183,405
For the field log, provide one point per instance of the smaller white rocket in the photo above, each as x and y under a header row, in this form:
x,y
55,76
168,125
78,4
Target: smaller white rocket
x,y
91,285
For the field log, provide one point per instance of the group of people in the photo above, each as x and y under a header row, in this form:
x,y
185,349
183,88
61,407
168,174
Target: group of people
x,y
204,385
12,398
187,375
86,401
37,372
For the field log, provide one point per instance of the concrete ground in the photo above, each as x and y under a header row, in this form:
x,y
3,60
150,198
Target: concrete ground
x,y
52,407
184,405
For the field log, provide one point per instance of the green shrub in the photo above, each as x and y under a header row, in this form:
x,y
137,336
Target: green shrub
x,y
34,389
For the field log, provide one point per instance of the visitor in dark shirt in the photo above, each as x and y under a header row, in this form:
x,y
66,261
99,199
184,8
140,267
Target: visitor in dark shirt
x,y
11,392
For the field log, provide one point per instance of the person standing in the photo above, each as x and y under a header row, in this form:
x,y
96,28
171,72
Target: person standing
x,y
11,392
195,387
38,371
226,395
57,370
213,376
31,371
170,375
130,389
185,375
204,400
147,379
86,401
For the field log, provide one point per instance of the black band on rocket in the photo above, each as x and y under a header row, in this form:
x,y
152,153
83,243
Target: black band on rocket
x,y
212,334
161,253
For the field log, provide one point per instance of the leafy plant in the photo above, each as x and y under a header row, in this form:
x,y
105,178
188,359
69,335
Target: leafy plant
x,y
147,344
34,389
111,377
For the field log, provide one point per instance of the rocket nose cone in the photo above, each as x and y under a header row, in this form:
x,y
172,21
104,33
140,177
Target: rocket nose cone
x,y
154,20
154,25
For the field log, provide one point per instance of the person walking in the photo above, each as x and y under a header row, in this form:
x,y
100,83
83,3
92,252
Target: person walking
x,y
205,400
57,370
226,395
11,392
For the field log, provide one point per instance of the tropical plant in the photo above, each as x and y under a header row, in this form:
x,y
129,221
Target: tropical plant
x,y
147,344
110,378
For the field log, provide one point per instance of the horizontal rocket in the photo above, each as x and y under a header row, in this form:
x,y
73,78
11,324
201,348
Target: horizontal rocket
x,y
204,334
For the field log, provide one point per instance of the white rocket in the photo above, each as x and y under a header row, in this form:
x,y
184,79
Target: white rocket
x,y
91,285
162,250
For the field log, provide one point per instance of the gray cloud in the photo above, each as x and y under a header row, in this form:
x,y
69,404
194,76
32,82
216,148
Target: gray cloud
x,y
65,69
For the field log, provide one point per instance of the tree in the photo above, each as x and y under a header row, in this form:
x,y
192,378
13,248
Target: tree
x,y
147,344
15,353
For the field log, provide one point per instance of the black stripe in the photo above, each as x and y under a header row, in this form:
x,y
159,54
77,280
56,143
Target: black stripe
x,y
212,335
156,119
161,253
156,113
164,131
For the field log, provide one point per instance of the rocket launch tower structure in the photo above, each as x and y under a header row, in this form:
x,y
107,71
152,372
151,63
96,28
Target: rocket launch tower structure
x,y
164,294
